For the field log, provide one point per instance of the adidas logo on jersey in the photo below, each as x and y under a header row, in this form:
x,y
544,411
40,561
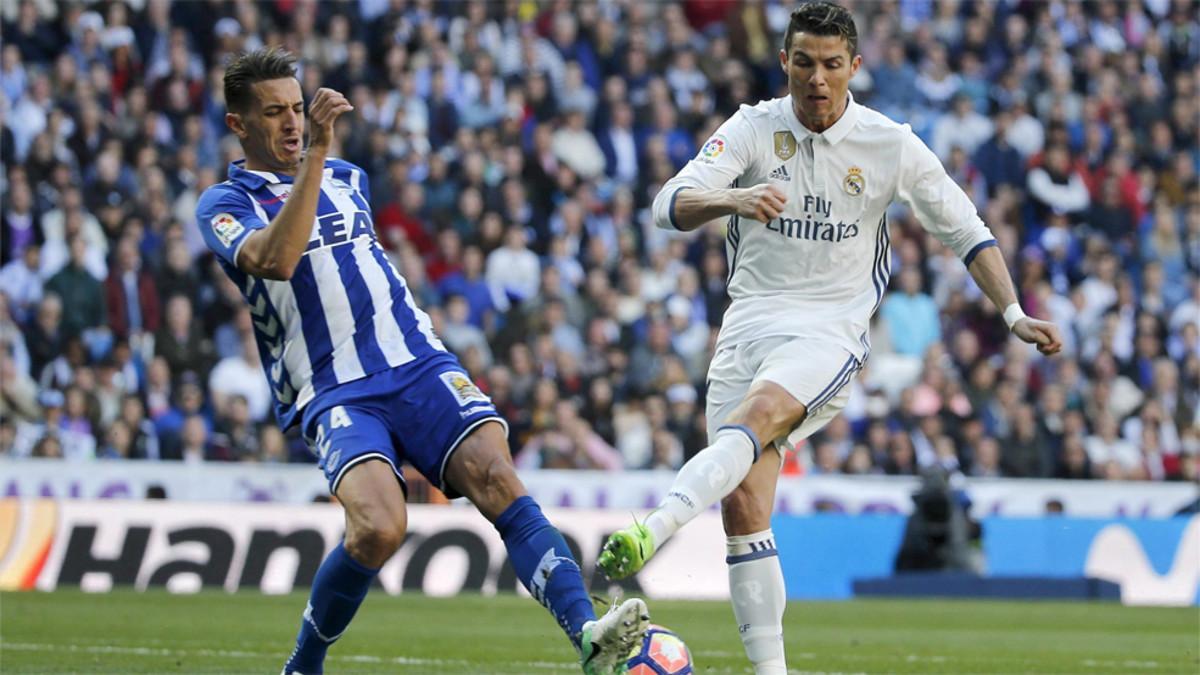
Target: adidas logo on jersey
x,y
780,173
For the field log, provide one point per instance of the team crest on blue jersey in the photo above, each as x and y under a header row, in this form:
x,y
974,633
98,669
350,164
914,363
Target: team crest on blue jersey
x,y
854,183
463,388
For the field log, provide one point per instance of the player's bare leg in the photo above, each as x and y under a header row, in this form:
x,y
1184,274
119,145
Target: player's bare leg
x,y
376,519
767,413
756,586
482,470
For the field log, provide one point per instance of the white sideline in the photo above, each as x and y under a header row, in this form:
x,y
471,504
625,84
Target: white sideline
x,y
409,661
240,654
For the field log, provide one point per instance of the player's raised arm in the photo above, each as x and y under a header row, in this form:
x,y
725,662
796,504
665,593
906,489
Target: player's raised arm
x,y
274,251
703,190
945,210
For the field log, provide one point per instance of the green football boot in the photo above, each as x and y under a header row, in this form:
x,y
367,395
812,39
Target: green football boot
x,y
626,551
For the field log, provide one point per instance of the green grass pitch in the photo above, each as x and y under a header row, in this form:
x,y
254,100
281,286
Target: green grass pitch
x,y
156,632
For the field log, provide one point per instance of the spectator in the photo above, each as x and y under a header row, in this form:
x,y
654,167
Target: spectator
x,y
1105,448
69,218
1027,133
1026,452
936,82
81,294
18,229
911,316
48,447
33,36
118,442
18,391
481,100
649,359
30,115
459,334
618,144
194,446
513,269
273,444
130,294
443,115
689,337
998,160
144,443
241,375
962,127
575,95
987,459
235,439
180,340
21,284
13,77
895,90
71,428
469,283
178,275
576,147
1056,187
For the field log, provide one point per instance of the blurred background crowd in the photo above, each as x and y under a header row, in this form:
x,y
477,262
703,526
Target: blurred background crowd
x,y
514,149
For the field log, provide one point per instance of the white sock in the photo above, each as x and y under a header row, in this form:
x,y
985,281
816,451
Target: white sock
x,y
713,473
759,599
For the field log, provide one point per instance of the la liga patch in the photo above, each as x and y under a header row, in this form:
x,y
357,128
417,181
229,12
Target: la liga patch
x,y
712,149
227,228
463,388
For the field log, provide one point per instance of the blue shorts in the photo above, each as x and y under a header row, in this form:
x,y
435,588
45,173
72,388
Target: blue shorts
x,y
419,412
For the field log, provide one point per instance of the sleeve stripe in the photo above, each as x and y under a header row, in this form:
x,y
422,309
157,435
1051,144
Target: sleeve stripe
x,y
671,207
741,428
975,251
756,555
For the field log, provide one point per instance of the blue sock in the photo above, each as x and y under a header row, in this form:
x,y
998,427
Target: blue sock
x,y
545,566
338,589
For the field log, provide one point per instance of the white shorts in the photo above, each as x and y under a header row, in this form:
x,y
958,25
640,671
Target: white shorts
x,y
812,370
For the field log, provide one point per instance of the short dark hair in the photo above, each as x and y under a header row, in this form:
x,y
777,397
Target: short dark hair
x,y
249,68
822,18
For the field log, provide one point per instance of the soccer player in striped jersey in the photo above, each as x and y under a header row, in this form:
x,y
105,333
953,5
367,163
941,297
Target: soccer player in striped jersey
x,y
354,362
806,181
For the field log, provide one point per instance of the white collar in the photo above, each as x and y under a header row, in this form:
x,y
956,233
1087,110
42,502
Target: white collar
x,y
833,134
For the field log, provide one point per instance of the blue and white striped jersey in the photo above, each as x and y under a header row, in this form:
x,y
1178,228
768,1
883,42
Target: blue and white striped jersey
x,y
345,313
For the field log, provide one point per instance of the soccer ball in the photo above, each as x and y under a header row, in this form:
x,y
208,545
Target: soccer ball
x,y
661,653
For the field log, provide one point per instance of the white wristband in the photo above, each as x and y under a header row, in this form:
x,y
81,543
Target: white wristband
x,y
1012,314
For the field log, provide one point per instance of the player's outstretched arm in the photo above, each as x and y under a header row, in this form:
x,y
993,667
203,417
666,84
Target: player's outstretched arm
x,y
991,274
688,208
274,251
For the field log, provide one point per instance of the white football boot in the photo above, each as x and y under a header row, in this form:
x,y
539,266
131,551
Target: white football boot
x,y
606,643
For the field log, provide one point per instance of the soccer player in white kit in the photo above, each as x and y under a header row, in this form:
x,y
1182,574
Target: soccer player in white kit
x,y
805,181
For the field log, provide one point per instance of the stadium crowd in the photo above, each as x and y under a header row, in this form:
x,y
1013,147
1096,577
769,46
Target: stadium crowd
x,y
514,149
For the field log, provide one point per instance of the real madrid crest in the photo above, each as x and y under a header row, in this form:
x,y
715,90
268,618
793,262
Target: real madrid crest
x,y
785,145
854,183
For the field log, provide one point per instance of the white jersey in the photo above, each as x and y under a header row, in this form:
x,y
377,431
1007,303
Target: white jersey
x,y
822,267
